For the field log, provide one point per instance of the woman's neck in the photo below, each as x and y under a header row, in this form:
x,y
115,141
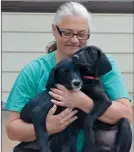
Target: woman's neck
x,y
60,56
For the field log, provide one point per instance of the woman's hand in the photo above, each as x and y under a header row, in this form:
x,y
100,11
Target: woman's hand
x,y
57,123
64,97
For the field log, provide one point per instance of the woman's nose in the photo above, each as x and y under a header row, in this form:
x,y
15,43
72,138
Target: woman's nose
x,y
74,39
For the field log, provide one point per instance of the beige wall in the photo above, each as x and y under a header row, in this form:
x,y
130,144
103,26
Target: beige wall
x,y
25,35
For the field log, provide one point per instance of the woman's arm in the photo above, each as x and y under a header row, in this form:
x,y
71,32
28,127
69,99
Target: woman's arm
x,y
18,130
21,131
120,108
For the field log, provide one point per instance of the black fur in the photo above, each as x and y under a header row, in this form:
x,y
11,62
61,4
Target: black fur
x,y
93,62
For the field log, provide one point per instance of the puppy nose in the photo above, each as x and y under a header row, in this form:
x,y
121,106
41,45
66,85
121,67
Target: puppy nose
x,y
76,83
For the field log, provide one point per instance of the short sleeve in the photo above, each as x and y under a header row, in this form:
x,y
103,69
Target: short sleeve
x,y
113,83
22,91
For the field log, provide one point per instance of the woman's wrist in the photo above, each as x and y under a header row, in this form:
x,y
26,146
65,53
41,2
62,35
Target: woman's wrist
x,y
86,104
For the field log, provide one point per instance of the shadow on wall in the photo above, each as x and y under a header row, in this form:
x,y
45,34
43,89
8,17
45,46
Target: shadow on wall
x,y
3,105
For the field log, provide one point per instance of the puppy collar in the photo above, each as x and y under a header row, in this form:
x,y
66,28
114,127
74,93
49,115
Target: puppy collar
x,y
91,77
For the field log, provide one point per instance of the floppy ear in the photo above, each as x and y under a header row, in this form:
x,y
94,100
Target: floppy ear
x,y
51,79
103,66
75,58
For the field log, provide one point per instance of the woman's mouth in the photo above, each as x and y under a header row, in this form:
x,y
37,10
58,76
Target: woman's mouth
x,y
74,47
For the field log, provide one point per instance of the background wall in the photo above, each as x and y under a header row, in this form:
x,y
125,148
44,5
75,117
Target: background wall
x,y
25,35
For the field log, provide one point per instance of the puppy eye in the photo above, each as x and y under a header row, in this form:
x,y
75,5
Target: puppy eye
x,y
66,71
63,70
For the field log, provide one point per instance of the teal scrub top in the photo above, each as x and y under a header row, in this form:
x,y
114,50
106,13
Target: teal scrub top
x,y
32,80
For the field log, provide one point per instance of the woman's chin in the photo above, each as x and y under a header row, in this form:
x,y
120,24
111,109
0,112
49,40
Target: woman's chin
x,y
72,50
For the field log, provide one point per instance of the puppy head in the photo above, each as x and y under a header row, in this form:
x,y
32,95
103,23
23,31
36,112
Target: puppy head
x,y
92,61
65,73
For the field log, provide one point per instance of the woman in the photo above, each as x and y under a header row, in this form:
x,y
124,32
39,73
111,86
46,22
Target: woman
x,y
71,29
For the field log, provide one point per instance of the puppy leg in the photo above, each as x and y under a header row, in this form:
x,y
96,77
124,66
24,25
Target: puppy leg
x,y
55,143
39,114
124,137
98,109
66,139
89,140
61,142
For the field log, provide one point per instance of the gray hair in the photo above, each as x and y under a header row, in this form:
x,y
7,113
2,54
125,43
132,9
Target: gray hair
x,y
72,8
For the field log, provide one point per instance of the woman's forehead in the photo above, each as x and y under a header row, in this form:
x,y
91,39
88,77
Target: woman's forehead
x,y
74,23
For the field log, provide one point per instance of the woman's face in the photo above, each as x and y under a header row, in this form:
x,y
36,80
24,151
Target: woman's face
x,y
67,43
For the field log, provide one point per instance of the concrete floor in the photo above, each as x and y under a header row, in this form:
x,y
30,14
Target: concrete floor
x,y
7,144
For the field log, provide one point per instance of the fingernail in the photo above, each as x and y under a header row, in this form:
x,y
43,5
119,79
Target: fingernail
x,y
70,109
75,117
54,106
75,111
49,92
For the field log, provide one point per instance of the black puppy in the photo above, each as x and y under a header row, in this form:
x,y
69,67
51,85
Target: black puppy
x,y
93,63
35,111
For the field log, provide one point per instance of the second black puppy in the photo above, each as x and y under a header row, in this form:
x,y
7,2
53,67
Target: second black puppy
x,y
93,63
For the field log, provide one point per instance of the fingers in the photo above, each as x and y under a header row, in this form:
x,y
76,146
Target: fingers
x,y
67,117
57,91
64,113
61,87
57,123
55,96
67,123
52,110
58,103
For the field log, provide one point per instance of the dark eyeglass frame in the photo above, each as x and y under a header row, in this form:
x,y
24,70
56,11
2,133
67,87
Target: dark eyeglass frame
x,y
60,32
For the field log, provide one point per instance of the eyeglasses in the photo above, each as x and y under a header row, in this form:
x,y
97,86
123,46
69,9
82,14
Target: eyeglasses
x,y
68,34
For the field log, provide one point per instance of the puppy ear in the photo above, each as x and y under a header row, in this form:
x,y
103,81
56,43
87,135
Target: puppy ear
x,y
75,58
51,79
103,65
